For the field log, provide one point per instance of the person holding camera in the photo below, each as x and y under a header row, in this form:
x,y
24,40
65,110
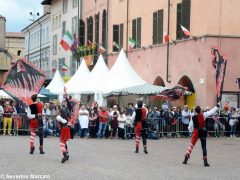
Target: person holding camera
x,y
199,131
34,114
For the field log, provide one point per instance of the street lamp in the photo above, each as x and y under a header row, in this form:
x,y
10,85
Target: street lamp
x,y
34,15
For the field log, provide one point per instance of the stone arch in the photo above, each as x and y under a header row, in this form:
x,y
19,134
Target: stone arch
x,y
158,81
185,81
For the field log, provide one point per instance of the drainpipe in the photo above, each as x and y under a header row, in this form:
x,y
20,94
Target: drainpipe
x,y
40,44
107,32
127,29
28,43
167,74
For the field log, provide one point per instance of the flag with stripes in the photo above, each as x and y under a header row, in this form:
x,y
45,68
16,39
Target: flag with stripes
x,y
67,41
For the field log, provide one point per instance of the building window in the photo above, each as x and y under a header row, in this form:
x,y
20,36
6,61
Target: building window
x,y
56,23
54,65
75,3
97,29
61,62
183,17
65,6
158,27
53,23
59,21
118,36
90,29
72,66
74,25
43,36
47,35
63,28
55,44
104,29
82,32
136,32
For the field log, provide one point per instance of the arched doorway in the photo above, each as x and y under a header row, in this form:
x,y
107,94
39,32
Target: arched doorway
x,y
159,81
189,99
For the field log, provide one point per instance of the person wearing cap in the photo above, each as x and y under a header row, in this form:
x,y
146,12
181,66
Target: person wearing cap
x,y
199,131
7,118
34,114
140,125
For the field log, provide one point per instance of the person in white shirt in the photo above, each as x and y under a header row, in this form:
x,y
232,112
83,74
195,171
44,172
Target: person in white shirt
x,y
114,114
121,123
199,131
83,120
1,115
186,115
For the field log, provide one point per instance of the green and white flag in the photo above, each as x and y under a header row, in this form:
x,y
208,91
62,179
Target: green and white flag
x,y
131,42
67,41
116,45
65,67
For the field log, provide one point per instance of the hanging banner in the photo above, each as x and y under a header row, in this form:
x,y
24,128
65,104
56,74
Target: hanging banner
x,y
23,80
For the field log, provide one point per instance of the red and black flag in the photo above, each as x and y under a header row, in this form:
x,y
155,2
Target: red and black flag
x,y
23,80
172,94
219,63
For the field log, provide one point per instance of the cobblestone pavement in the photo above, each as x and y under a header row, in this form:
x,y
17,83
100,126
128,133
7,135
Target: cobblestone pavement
x,y
115,159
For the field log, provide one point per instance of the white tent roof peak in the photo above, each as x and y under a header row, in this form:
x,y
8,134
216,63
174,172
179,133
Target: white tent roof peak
x,y
57,84
75,84
121,75
97,75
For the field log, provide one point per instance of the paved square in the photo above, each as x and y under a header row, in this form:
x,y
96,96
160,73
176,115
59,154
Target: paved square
x,y
114,159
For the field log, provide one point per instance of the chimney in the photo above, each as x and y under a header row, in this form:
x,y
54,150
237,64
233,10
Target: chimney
x,y
2,31
46,9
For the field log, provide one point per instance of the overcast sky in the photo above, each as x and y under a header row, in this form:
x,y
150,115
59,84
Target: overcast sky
x,y
17,12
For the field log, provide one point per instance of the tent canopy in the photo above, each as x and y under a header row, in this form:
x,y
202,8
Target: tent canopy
x,y
56,86
96,76
145,89
46,92
78,81
122,75
4,95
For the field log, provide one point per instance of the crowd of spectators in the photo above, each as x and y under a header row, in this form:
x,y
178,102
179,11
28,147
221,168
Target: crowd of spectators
x,y
114,122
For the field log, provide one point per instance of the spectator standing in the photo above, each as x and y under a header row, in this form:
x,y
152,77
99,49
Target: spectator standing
x,y
186,115
83,120
114,122
1,115
92,123
154,116
7,118
103,120
121,124
232,118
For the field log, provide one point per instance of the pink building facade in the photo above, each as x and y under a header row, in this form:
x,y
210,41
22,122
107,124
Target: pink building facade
x,y
211,23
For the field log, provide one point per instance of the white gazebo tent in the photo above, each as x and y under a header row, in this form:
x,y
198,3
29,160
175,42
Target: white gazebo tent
x,y
4,95
56,86
121,75
78,81
96,76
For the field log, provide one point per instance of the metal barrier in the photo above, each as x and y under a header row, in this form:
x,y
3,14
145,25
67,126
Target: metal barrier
x,y
20,124
162,127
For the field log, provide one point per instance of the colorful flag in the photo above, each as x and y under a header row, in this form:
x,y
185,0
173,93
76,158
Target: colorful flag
x,y
67,41
65,67
101,50
23,80
116,45
185,31
171,94
74,44
131,42
219,63
166,37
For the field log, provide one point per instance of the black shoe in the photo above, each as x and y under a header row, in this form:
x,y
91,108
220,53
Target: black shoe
x,y
185,160
145,150
65,157
206,163
41,150
137,150
32,149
